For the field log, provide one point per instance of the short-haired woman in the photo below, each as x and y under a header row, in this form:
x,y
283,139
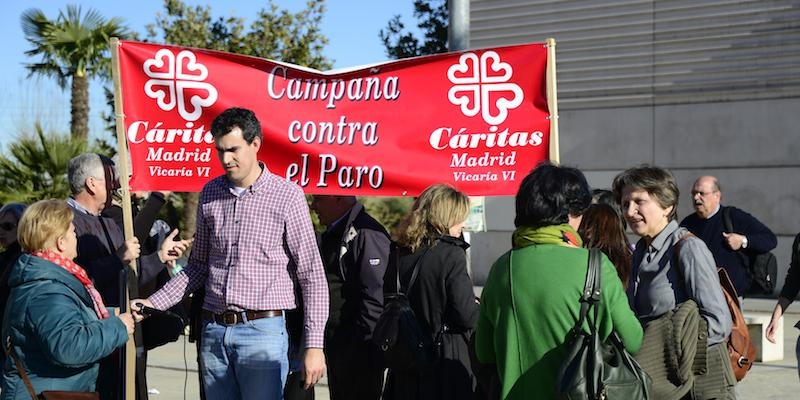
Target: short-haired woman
x,y
532,295
56,324
663,278
441,296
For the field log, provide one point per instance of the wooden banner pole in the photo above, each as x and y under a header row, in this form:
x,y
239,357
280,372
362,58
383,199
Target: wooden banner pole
x,y
127,214
552,101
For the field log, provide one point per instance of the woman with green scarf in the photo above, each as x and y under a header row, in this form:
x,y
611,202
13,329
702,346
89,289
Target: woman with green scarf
x,y
531,298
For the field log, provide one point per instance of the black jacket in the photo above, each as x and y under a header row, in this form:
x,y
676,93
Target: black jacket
x,y
441,295
355,252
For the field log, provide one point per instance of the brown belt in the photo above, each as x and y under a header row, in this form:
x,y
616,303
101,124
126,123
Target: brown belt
x,y
235,317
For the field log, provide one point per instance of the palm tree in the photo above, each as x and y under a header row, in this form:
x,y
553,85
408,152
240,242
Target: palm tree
x,y
36,166
73,48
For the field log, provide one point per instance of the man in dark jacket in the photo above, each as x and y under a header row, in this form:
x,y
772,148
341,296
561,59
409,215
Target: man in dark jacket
x,y
104,253
355,251
731,250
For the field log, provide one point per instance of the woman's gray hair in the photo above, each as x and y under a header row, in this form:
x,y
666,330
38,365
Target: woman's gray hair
x,y
656,181
81,168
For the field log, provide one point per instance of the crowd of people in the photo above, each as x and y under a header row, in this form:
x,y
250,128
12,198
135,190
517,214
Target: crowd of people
x,y
281,306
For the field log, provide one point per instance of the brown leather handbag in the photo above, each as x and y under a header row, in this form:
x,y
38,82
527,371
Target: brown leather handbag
x,y
741,349
47,394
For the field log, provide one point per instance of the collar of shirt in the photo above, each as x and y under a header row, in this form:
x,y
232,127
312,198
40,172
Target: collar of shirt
x,y
74,204
658,243
719,207
259,184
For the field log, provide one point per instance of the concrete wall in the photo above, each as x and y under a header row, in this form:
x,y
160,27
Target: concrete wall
x,y
696,87
752,147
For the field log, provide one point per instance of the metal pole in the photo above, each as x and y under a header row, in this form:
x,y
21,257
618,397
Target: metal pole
x,y
458,28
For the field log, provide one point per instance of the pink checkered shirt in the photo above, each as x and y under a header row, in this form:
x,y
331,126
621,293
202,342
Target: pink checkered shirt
x,y
247,249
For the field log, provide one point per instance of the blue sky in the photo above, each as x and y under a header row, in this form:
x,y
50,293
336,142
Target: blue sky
x,y
351,26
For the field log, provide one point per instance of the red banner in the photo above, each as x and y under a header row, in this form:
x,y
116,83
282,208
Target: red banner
x,y
477,119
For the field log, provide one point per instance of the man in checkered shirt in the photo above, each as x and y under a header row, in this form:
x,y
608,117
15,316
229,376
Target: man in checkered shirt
x,y
254,240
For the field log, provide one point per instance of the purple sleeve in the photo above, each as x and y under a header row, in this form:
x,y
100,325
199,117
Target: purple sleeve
x,y
193,276
302,246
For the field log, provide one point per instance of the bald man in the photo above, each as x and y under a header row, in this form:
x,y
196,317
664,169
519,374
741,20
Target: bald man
x,y
731,250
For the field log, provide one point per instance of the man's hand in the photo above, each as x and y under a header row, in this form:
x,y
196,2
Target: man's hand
x,y
129,250
313,367
136,306
734,240
172,249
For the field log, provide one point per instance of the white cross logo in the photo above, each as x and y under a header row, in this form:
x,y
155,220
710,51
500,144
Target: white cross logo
x,y
481,85
177,81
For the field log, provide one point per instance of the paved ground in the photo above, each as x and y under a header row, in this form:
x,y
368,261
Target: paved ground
x,y
172,369
778,379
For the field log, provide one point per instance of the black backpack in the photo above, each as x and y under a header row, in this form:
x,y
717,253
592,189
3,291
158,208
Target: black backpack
x,y
398,334
762,268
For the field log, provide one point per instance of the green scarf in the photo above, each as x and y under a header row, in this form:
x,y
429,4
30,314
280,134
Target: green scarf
x,y
554,234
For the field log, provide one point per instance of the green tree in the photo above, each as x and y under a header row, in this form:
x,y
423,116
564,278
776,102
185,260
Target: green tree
x,y
35,167
274,33
389,211
432,21
72,48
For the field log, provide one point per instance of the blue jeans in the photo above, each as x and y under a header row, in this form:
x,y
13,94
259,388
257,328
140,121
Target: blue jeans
x,y
245,361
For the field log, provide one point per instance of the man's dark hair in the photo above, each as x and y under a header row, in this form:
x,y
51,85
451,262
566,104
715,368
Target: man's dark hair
x,y
549,194
235,117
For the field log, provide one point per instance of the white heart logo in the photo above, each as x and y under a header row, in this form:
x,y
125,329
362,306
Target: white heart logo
x,y
179,82
481,85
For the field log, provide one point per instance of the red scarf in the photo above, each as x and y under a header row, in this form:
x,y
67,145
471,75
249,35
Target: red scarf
x,y
80,274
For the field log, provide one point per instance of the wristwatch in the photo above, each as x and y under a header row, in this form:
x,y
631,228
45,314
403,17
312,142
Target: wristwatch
x,y
744,242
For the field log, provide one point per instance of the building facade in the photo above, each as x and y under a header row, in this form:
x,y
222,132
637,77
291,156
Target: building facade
x,y
698,87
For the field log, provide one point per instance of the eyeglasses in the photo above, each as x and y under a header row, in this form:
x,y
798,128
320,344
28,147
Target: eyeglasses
x,y
702,194
8,226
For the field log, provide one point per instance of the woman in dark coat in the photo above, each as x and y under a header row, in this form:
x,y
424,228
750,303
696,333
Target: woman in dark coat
x,y
441,297
9,219
791,286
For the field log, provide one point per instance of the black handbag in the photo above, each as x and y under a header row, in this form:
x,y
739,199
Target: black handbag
x,y
596,369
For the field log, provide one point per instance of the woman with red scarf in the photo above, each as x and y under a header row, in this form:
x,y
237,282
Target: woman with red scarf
x,y
56,324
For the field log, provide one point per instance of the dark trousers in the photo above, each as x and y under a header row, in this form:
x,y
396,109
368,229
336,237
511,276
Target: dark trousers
x,y
355,370
111,377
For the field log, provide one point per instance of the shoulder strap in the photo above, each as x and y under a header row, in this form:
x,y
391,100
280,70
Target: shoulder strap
x,y
726,219
393,251
416,270
591,289
700,357
593,274
10,352
414,273
676,256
